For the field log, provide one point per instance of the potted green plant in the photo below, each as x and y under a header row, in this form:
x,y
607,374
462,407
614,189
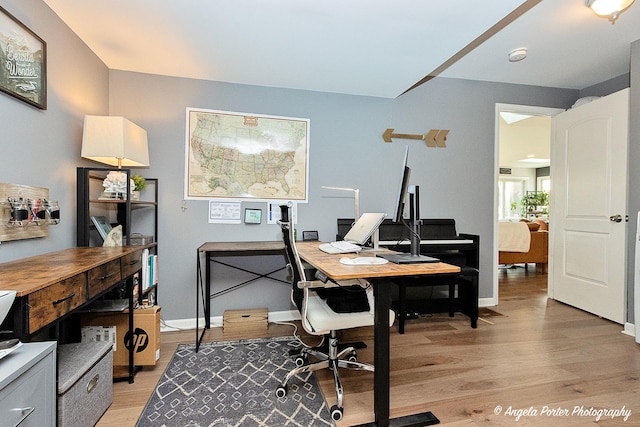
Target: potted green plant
x,y
534,200
139,184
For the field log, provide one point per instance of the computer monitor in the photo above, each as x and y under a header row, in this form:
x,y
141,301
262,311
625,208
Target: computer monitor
x,y
365,227
413,191
402,189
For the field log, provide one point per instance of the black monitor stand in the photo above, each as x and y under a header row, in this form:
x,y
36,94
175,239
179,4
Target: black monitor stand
x,y
413,257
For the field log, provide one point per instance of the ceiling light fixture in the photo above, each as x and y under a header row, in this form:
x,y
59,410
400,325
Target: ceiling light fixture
x,y
610,9
518,54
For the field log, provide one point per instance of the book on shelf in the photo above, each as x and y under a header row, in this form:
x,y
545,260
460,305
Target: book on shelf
x,y
144,280
153,268
149,270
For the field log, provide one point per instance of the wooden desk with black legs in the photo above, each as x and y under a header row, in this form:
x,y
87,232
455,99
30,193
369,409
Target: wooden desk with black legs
x,y
379,276
212,250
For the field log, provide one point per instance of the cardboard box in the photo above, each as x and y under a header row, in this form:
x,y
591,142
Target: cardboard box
x,y
113,327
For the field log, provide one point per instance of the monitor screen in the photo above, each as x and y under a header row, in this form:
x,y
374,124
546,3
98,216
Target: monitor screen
x,y
405,173
364,228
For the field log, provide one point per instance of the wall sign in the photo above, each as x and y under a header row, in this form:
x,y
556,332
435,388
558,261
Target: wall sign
x,y
23,62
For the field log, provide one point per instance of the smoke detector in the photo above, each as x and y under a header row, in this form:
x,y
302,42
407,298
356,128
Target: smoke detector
x,y
518,54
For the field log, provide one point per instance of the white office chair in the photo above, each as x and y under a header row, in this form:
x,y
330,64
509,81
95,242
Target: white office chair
x,y
319,319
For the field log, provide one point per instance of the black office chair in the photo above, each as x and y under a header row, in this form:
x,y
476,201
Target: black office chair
x,y
318,318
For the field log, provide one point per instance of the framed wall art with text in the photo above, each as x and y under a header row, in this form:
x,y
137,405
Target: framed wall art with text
x,y
23,62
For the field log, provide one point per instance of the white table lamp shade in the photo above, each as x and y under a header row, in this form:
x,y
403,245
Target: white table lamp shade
x,y
114,141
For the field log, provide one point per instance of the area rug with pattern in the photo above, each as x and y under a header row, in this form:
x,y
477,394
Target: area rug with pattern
x,y
233,383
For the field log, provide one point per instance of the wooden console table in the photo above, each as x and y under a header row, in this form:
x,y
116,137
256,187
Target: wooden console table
x,y
51,286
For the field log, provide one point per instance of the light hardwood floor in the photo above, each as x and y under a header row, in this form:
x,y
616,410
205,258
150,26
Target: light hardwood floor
x,y
536,355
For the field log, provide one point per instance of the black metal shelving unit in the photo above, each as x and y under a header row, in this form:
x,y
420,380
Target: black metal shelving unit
x,y
89,203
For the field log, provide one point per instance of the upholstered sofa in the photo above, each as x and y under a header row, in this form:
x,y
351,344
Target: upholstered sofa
x,y
538,249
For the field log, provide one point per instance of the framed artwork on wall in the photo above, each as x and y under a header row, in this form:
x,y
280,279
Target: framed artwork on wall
x,y
23,62
238,156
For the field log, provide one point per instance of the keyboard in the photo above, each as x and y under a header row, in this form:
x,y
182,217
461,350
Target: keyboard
x,y
340,247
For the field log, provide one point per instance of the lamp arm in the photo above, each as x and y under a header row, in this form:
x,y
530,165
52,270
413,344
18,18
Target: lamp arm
x,y
356,194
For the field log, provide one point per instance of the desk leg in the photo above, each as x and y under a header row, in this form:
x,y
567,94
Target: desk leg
x,y
129,290
206,303
207,291
382,296
381,356
198,285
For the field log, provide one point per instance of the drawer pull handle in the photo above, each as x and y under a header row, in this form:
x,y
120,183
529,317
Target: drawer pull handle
x,y
134,262
61,300
25,414
92,383
107,276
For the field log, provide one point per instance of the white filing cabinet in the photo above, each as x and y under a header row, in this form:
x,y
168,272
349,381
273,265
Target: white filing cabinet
x,y
28,386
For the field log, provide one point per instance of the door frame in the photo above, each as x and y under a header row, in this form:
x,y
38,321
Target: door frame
x,y
519,109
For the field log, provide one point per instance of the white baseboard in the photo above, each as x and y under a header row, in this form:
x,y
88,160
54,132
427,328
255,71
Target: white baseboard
x,y
216,321
291,315
629,329
274,317
486,302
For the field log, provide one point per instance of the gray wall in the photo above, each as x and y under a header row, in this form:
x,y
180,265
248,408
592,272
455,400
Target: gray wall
x,y
347,150
41,148
607,87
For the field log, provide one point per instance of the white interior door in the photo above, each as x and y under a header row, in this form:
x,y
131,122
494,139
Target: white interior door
x,y
588,206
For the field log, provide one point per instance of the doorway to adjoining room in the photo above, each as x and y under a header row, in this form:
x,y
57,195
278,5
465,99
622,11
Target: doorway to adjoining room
x,y
523,146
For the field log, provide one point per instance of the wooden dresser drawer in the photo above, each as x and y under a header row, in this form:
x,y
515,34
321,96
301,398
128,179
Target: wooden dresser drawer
x,y
103,277
131,263
53,302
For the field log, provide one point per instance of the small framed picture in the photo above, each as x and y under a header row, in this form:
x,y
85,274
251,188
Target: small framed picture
x,y
252,216
102,225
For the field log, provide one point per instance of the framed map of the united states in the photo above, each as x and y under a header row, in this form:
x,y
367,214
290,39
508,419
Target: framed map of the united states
x,y
246,156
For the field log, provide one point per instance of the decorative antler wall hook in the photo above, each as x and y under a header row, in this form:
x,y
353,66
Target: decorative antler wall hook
x,y
433,138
